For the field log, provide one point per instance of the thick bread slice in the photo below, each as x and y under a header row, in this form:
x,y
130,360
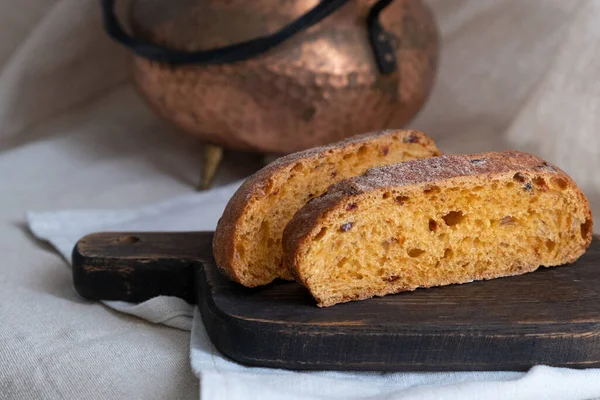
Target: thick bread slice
x,y
247,242
437,221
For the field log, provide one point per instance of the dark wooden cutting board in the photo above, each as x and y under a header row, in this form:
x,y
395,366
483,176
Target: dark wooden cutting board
x,y
551,316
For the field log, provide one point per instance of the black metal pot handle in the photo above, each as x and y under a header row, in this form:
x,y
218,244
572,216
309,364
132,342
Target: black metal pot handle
x,y
381,43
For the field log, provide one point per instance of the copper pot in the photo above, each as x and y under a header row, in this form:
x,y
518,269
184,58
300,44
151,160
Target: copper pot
x,y
319,86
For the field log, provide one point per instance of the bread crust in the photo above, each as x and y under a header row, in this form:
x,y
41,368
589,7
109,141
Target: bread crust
x,y
227,231
415,175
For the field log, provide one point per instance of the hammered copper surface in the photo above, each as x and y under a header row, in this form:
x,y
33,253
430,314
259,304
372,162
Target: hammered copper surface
x,y
320,86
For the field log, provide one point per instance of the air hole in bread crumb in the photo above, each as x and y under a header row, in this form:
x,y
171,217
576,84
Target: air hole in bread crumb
x,y
412,138
264,231
298,167
448,253
342,262
391,278
540,183
519,177
432,190
240,251
415,252
357,275
321,233
561,183
362,151
586,227
267,188
348,156
401,199
453,218
386,195
550,245
386,243
508,220
433,225
510,185
477,188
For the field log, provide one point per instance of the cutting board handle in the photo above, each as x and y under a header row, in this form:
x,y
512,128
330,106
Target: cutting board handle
x,y
136,266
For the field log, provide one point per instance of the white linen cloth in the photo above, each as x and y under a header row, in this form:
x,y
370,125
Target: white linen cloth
x,y
62,229
224,379
74,136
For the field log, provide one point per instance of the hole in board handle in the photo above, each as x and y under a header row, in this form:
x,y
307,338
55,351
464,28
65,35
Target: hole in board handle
x,y
128,239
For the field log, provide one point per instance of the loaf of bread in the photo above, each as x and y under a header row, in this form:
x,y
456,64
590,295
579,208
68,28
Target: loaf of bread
x,y
438,221
247,242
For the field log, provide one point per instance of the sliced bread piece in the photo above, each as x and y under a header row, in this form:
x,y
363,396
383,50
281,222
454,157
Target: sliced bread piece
x,y
247,242
437,221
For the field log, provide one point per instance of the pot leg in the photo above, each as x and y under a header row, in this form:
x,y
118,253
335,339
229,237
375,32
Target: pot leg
x,y
213,155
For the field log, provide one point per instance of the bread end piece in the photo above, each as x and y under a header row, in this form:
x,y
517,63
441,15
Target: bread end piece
x,y
247,241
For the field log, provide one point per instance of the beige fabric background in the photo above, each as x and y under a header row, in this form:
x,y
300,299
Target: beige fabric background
x,y
73,134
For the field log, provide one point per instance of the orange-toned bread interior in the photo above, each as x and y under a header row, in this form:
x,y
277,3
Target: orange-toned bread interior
x,y
399,239
258,250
